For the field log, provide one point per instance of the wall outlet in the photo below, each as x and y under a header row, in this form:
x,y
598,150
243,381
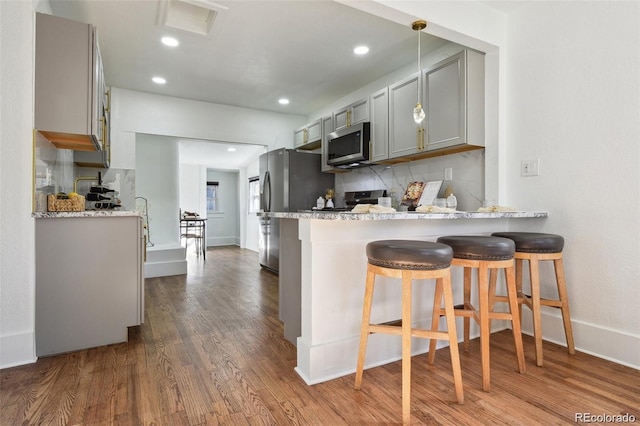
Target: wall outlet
x,y
448,173
530,167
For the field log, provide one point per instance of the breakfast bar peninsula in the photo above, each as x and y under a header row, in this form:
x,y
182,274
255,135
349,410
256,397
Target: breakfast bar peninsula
x,y
322,275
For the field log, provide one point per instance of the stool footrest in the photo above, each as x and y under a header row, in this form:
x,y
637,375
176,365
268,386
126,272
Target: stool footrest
x,y
415,332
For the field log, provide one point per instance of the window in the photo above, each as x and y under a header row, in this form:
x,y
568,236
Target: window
x,y
254,194
212,197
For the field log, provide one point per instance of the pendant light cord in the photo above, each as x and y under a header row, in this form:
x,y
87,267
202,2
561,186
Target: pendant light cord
x,y
419,68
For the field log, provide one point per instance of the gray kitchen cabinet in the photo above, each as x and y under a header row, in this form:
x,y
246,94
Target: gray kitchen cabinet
x,y
327,127
89,281
405,136
357,112
379,104
454,90
100,159
308,136
69,84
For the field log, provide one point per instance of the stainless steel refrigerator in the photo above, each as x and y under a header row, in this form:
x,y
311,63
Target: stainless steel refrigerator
x,y
290,180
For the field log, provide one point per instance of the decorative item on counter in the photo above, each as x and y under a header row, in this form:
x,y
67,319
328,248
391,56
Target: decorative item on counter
x,y
412,194
320,203
372,208
430,192
394,200
62,202
440,202
434,209
329,197
496,209
384,201
452,201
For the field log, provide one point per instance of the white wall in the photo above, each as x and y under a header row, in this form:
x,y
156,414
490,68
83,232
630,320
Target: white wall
x,y
157,179
193,194
17,232
573,101
138,112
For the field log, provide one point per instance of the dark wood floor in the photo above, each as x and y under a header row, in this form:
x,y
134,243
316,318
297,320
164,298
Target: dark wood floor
x,y
211,351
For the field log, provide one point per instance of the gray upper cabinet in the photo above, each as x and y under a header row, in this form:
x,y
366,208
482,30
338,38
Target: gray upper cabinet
x,y
379,104
357,112
69,84
454,90
327,127
308,136
405,136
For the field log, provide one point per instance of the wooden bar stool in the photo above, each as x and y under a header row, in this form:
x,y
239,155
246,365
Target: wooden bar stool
x,y
536,247
485,254
410,260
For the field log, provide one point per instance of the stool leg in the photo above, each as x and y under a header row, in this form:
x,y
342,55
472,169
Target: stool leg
x,y
562,293
467,303
515,317
406,347
453,339
483,297
535,307
364,328
435,319
519,287
493,279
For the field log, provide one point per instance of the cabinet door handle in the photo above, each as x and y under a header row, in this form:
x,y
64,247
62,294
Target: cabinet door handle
x,y
418,145
348,118
108,106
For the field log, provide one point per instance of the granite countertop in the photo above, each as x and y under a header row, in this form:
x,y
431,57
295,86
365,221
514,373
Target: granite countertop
x,y
86,213
329,215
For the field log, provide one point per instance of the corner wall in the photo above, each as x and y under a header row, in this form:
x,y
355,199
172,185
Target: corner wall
x,y
573,101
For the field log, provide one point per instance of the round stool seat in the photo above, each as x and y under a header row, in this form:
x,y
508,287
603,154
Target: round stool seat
x,y
534,242
474,247
409,254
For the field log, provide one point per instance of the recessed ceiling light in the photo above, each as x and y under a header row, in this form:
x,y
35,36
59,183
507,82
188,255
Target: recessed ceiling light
x,y
361,50
231,149
283,101
169,41
158,80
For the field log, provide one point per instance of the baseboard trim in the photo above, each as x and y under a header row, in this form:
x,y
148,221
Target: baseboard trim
x,y
17,349
613,345
223,241
165,269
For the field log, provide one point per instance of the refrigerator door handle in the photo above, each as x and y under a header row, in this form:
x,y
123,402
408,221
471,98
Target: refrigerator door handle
x,y
266,192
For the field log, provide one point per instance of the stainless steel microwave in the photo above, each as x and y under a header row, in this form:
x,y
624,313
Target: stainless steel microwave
x,y
349,147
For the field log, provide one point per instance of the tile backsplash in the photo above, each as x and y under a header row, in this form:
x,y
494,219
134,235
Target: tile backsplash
x,y
467,183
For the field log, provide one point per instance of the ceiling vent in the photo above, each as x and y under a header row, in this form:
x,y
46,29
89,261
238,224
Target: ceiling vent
x,y
195,16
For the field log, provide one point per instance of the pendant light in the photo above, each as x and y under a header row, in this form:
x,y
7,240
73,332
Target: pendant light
x,y
418,112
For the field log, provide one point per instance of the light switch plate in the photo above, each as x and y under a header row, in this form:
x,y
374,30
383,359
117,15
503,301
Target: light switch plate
x,y
530,167
448,173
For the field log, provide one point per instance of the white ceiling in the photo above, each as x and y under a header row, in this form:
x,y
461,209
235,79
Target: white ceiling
x,y
256,52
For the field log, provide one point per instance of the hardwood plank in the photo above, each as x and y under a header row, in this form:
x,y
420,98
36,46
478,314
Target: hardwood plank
x,y
211,351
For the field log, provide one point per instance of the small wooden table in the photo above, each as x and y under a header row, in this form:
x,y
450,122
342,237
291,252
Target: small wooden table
x,y
195,227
